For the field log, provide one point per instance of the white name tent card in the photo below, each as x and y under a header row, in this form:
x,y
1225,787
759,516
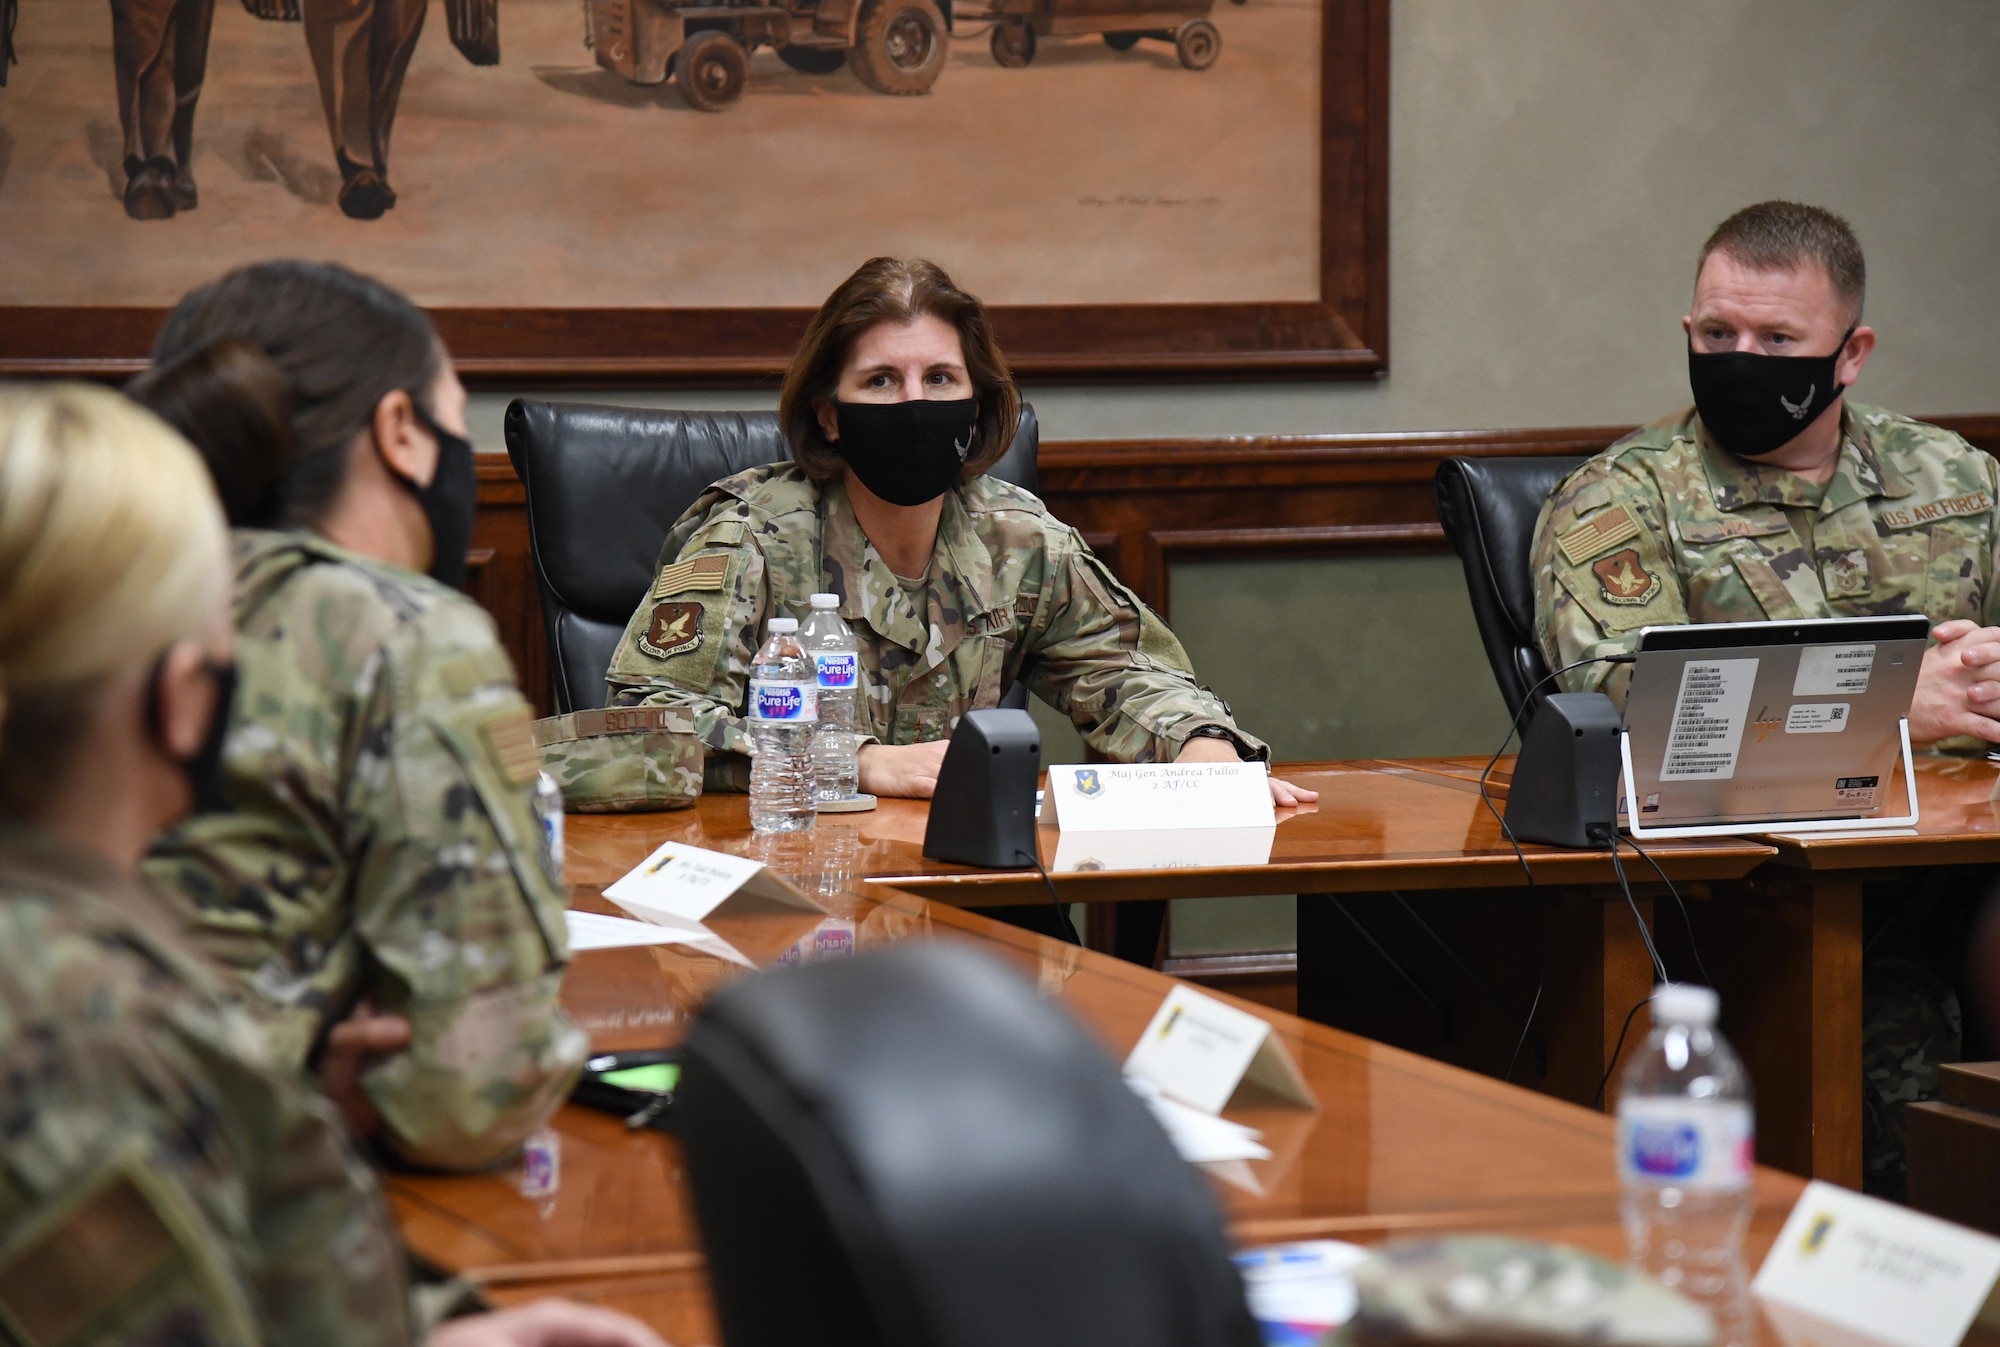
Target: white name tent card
x,y
1149,796
680,885
1201,1052
1863,1266
1184,849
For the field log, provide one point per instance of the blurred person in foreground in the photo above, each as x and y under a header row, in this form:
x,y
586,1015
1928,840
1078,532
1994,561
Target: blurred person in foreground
x,y
165,1181
378,846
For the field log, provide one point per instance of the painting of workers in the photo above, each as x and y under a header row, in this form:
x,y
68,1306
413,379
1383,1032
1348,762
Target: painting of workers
x,y
1137,161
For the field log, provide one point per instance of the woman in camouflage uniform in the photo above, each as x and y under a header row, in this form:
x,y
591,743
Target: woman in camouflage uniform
x,y
160,1180
380,845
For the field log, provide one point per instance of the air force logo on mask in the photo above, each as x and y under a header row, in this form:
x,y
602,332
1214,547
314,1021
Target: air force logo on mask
x,y
1798,409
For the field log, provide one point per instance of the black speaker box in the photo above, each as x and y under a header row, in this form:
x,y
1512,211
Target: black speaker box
x,y
1565,789
983,812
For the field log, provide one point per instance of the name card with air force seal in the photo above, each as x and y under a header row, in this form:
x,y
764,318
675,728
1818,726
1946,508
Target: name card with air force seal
x,y
1203,1053
1150,796
1848,1267
683,886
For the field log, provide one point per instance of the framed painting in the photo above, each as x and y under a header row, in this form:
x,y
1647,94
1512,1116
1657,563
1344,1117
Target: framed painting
x,y
660,191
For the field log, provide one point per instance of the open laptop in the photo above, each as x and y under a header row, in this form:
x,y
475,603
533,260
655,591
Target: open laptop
x,y
1736,725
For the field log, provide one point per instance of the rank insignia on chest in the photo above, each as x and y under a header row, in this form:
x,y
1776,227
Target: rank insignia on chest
x,y
674,630
1847,575
1598,534
1624,578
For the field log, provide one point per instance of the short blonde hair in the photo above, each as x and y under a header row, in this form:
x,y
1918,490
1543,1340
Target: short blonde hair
x,y
112,547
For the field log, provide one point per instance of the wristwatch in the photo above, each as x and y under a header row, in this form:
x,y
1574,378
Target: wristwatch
x,y
1217,732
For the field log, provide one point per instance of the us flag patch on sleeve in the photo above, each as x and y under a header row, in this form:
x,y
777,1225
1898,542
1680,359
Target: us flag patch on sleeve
x,y
1597,535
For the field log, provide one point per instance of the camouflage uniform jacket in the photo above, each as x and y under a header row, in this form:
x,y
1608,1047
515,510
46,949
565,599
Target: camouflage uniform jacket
x,y
1012,594
1666,527
160,1181
381,841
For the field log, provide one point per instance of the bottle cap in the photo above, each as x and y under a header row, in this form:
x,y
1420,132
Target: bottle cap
x,y
782,626
825,601
1685,1003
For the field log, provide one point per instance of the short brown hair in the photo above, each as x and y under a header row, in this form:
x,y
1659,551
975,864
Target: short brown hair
x,y
1786,236
895,290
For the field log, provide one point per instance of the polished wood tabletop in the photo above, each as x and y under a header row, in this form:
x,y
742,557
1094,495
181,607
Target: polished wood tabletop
x,y
1400,1144
1377,826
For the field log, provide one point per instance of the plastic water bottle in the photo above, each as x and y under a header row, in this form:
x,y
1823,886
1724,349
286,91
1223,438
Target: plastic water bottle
x,y
1686,1138
548,801
837,673
784,710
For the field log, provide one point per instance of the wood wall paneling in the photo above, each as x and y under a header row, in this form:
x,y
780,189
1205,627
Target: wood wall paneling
x,y
1144,505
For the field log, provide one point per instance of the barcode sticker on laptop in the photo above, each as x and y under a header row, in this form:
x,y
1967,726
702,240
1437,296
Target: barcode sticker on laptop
x,y
1709,715
1834,670
1816,718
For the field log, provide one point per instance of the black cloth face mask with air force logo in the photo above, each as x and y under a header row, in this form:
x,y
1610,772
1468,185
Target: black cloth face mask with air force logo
x,y
907,452
1754,404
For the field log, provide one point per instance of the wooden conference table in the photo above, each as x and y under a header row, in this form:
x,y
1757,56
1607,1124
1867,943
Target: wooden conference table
x,y
1401,1145
1776,920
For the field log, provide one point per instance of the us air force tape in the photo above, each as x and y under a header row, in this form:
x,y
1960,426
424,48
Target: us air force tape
x,y
623,759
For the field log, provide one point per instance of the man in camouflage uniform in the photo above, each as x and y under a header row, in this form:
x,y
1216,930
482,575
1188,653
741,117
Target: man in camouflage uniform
x,y
159,1182
1012,594
1859,512
382,844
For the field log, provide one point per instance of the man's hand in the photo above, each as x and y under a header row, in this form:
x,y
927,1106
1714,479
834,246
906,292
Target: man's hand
x,y
1958,687
352,1046
546,1323
1210,749
908,771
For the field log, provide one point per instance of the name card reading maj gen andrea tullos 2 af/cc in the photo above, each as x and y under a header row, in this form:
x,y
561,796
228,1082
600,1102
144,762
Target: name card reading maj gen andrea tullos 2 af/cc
x,y
1137,797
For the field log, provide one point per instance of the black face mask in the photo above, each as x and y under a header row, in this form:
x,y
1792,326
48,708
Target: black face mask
x,y
204,769
448,502
1755,404
907,452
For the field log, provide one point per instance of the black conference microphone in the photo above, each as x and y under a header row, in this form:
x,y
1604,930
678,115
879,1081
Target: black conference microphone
x,y
983,811
1565,787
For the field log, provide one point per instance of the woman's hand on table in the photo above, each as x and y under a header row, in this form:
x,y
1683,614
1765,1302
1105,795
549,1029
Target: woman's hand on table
x,y
1208,749
354,1045
905,771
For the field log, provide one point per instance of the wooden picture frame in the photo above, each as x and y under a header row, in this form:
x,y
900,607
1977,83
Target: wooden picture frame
x,y
1343,333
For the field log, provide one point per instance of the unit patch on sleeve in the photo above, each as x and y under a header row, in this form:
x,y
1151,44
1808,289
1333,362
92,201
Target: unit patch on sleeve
x,y
696,573
1598,535
674,630
1624,579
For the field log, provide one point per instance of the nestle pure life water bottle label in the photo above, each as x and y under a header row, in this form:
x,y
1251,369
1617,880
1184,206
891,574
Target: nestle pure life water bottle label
x,y
1680,1143
836,671
798,702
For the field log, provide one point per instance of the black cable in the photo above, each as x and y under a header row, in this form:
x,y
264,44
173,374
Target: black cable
x,y
1062,913
1522,1041
1645,935
1513,728
1686,920
1597,1100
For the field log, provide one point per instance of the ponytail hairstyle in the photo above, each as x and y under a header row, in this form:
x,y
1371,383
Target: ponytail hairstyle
x,y
341,342
112,548
233,404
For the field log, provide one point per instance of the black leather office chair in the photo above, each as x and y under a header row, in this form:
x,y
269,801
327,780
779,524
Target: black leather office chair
x,y
913,1149
606,483
1488,507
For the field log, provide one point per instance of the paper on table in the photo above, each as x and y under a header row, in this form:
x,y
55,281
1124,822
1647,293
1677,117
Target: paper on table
x,y
1199,1138
596,930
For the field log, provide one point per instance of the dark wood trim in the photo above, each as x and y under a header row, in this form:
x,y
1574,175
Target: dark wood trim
x,y
1145,505
1344,332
